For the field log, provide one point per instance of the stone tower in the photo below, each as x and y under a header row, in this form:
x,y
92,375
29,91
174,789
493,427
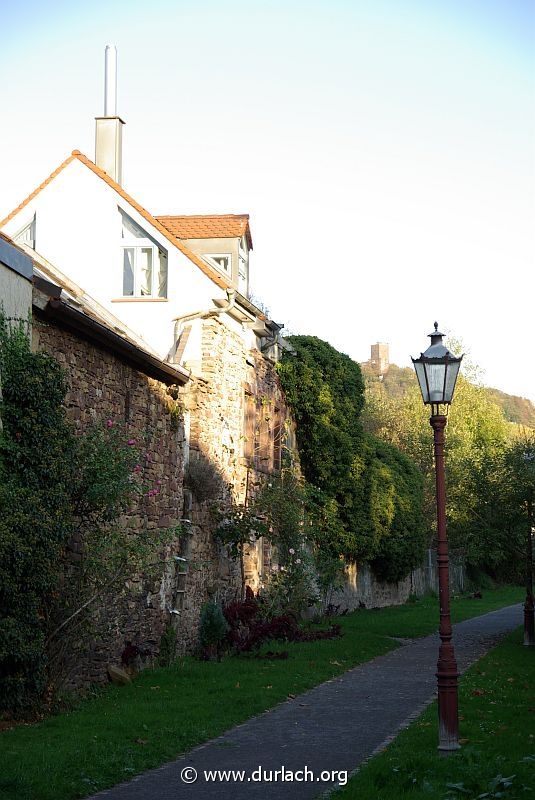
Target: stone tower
x,y
379,359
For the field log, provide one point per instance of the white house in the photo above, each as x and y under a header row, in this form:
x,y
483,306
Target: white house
x,y
147,271
181,284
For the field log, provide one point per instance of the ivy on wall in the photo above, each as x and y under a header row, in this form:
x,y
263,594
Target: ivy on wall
x,y
59,490
36,449
372,492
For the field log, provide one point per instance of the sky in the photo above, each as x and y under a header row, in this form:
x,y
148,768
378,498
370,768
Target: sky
x,y
385,151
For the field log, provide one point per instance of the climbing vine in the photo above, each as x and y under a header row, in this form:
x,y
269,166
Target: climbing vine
x,y
367,493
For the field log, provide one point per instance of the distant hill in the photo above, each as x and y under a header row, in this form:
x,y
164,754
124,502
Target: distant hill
x,y
515,409
397,380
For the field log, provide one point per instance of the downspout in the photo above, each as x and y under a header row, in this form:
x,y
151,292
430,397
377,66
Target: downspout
x,y
212,312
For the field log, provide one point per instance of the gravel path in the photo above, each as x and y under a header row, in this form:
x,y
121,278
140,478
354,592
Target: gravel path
x,y
333,727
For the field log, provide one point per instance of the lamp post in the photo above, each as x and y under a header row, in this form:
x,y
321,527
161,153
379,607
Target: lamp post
x,y
437,371
529,610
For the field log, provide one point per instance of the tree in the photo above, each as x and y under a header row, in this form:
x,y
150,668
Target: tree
x,y
501,514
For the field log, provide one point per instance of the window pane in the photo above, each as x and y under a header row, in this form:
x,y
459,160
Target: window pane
x,y
223,262
162,275
145,271
130,228
128,271
453,371
435,375
420,374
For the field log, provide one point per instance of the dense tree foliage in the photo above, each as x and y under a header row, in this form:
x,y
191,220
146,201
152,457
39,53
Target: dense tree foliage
x,y
515,409
478,437
370,493
496,525
397,381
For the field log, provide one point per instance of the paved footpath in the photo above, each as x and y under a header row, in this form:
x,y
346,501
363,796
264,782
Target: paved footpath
x,y
334,726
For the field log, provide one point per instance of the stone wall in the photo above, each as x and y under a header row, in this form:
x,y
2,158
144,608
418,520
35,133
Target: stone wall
x,y
102,387
362,589
239,426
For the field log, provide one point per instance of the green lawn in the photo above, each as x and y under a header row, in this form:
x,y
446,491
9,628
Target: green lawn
x,y
122,731
497,726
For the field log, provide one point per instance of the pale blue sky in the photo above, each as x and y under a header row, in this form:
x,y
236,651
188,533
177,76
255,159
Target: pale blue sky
x,y
385,150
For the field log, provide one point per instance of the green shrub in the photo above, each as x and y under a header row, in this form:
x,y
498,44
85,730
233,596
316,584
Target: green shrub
x,y
168,646
292,588
36,449
54,484
213,628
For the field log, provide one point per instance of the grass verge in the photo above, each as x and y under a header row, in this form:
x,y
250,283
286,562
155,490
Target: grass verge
x,y
497,759
120,732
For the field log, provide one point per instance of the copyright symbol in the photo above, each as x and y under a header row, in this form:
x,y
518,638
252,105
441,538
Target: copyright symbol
x,y
188,775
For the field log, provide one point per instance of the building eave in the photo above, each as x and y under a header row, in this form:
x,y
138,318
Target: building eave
x,y
47,300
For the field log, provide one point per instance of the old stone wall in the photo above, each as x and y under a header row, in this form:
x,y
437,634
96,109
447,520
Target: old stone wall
x,y
239,428
102,387
362,589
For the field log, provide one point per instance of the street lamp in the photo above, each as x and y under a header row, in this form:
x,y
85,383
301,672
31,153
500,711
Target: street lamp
x,y
437,371
529,610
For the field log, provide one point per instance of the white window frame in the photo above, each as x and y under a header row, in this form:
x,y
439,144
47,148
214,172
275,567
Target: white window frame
x,y
137,244
243,265
209,258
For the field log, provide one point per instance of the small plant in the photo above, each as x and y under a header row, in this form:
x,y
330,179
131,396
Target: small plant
x,y
249,628
213,628
293,588
168,646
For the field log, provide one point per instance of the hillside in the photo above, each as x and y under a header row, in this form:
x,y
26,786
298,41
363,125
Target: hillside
x,y
515,409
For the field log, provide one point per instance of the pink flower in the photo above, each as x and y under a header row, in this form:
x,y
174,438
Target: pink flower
x,y
291,551
109,423
130,442
137,468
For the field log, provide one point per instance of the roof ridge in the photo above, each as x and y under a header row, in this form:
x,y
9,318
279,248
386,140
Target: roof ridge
x,y
201,216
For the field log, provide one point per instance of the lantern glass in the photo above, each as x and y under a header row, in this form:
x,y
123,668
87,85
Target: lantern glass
x,y
451,380
419,366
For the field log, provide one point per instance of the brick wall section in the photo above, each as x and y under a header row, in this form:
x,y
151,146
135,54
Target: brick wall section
x,y
104,387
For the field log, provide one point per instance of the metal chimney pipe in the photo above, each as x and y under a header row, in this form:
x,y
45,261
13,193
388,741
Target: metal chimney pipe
x,y
110,81
109,128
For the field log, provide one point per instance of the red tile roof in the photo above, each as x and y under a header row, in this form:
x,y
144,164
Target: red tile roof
x,y
222,282
208,226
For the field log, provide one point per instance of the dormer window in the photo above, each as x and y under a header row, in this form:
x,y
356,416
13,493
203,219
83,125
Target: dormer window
x,y
144,262
221,261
